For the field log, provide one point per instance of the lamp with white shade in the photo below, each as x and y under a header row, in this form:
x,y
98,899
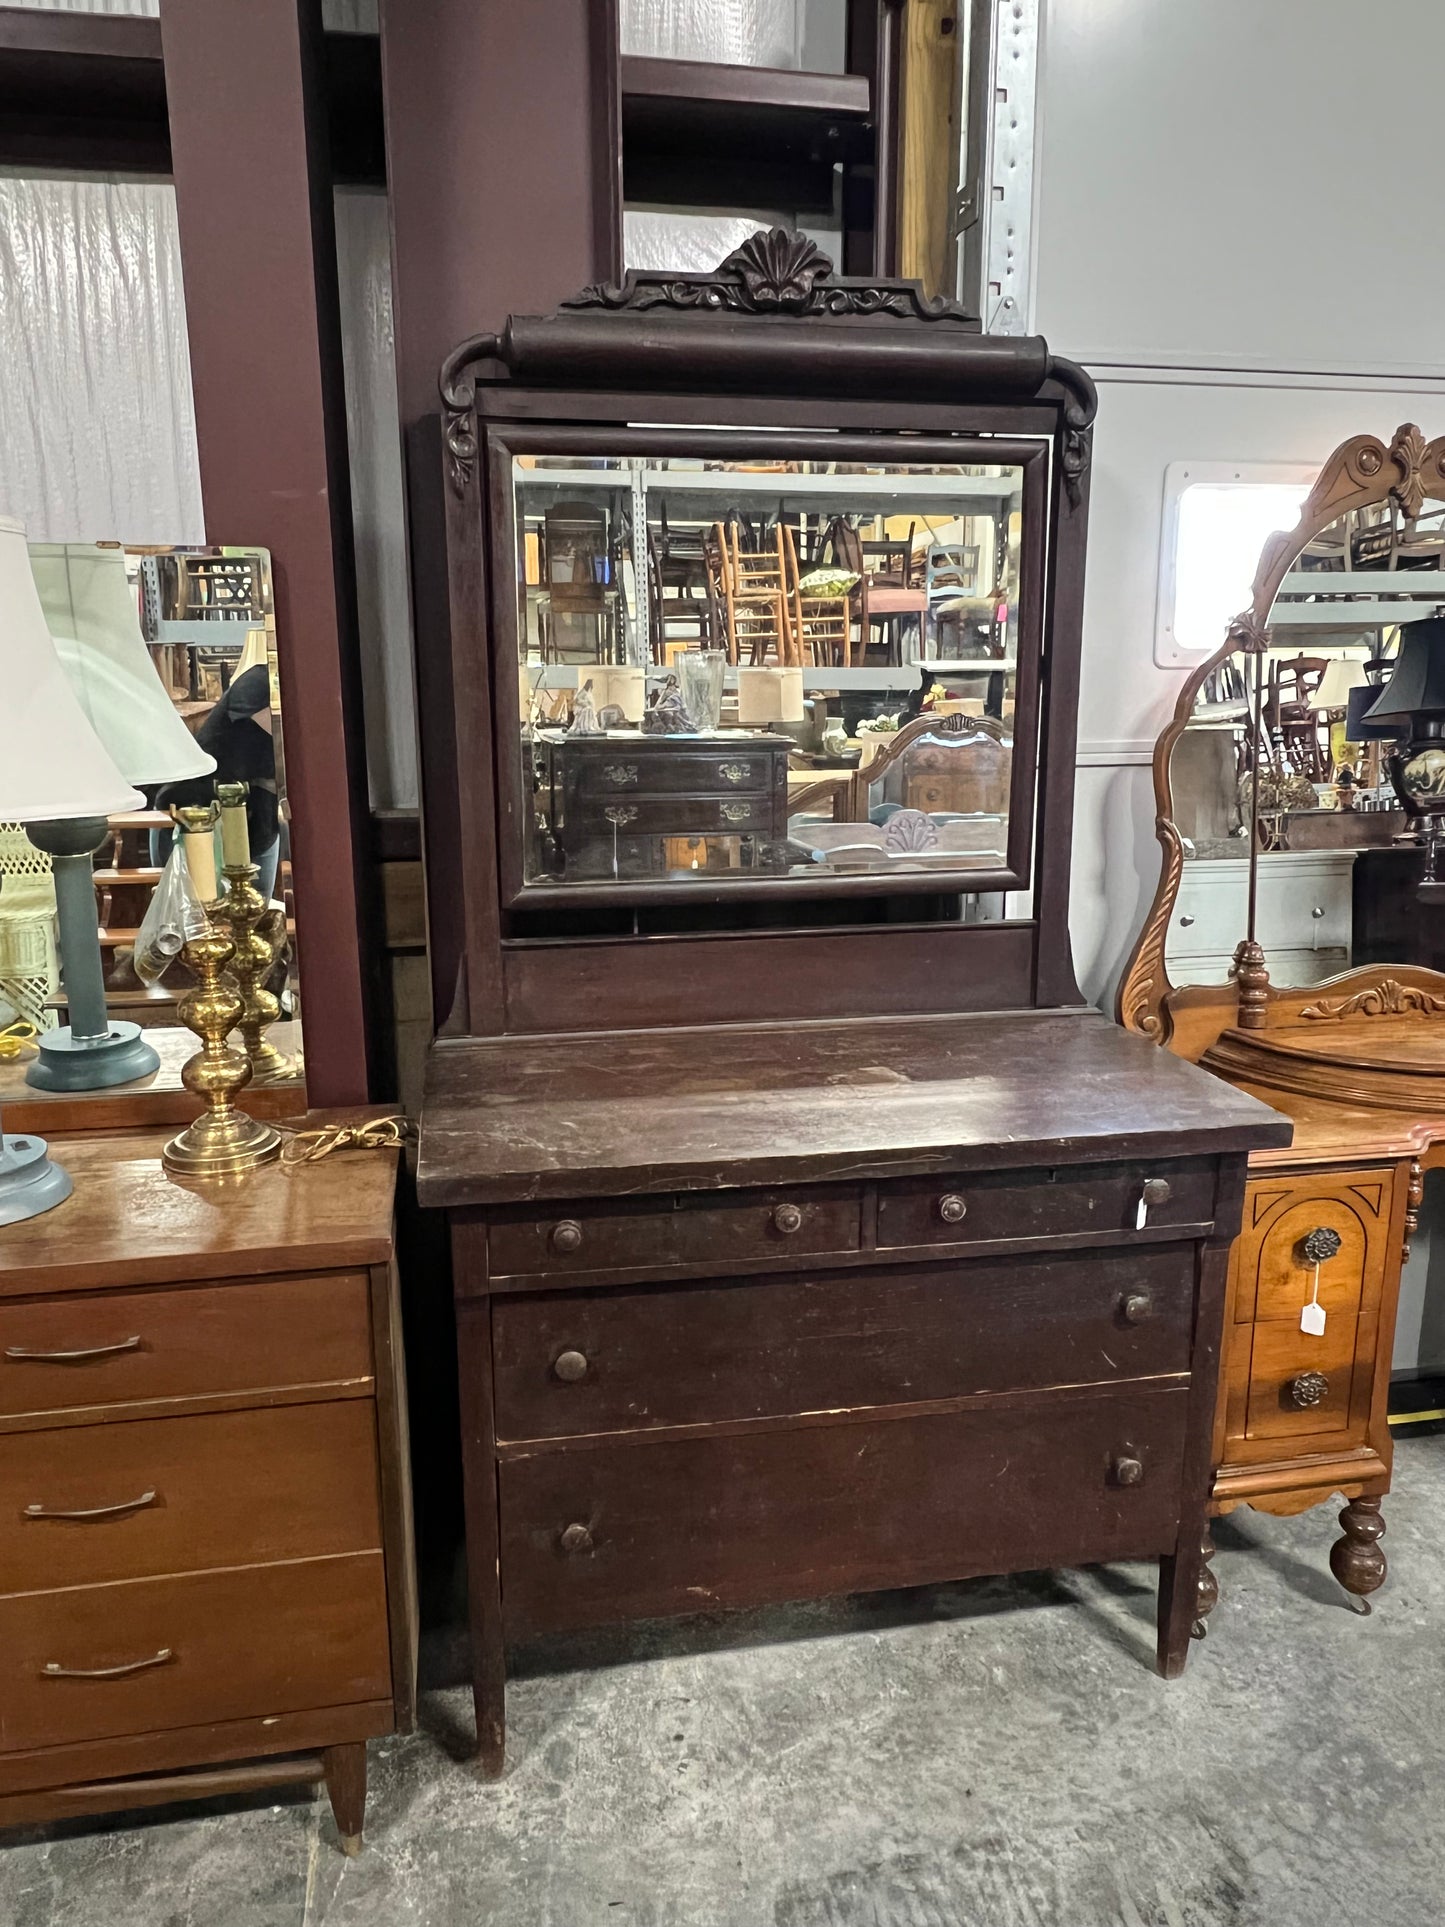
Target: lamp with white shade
x,y
89,610
54,770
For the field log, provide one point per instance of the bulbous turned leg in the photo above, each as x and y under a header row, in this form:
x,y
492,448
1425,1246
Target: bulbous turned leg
x,y
1208,1592
1356,1560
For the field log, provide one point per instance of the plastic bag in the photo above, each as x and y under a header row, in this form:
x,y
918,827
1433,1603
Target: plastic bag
x,y
173,917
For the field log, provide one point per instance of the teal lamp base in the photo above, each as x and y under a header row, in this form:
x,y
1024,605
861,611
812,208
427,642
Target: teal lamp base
x,y
70,1063
29,1182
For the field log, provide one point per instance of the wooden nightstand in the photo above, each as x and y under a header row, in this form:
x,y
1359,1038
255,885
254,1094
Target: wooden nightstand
x,y
206,1578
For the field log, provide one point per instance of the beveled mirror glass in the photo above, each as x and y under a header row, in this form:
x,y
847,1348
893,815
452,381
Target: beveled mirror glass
x,y
172,653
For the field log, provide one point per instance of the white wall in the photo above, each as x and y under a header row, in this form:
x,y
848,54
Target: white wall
x,y
1222,241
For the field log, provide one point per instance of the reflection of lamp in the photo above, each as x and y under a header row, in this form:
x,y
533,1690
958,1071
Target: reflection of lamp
x,y
53,769
1413,701
1342,674
85,600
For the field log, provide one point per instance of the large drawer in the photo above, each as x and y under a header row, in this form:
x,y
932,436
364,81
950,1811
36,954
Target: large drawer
x,y
107,1348
158,1653
1067,1201
638,1527
732,1227
90,1504
573,1362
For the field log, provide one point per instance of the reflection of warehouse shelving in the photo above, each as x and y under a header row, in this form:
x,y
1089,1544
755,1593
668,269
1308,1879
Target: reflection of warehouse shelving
x,y
1355,599
206,600
852,494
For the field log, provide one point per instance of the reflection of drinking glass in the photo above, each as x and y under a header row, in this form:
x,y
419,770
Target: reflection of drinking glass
x,y
700,677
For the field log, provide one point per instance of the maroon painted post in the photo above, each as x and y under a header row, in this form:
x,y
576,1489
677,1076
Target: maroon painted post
x,y
258,251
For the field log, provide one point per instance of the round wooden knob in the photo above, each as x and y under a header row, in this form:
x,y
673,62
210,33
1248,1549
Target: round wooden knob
x,y
1137,1307
1308,1389
570,1366
952,1208
787,1218
1320,1245
1157,1191
1128,1471
576,1538
567,1236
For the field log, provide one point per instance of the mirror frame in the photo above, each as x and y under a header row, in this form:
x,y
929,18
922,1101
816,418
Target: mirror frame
x,y
1361,471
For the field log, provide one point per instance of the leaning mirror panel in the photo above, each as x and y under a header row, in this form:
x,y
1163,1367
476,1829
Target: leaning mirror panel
x,y
170,655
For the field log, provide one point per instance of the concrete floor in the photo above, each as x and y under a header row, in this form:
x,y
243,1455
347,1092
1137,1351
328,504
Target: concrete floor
x,y
990,1755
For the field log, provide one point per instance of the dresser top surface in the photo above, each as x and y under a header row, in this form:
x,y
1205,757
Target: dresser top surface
x,y
127,1221
512,1119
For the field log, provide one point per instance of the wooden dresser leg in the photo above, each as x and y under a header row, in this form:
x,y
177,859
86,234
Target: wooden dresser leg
x,y
1178,1606
1356,1560
1207,1593
346,1786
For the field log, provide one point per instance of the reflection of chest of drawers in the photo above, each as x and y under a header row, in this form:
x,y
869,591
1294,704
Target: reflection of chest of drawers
x,y
205,1580
610,801
1303,916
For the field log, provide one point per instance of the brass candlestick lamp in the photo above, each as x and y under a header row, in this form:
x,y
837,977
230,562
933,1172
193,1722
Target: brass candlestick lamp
x,y
258,934
223,1140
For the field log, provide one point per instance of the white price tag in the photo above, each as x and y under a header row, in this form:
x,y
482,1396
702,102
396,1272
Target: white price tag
x,y
1312,1318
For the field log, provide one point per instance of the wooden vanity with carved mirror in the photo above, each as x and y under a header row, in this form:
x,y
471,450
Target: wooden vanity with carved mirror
x,y
809,1235
1294,949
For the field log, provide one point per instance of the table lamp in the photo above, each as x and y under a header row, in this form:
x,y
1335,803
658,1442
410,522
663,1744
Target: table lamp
x,y
89,609
53,771
1412,702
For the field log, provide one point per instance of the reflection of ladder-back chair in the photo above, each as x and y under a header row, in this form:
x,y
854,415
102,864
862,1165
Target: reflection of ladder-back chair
x,y
822,624
29,968
954,764
579,592
752,590
680,606
878,601
1291,716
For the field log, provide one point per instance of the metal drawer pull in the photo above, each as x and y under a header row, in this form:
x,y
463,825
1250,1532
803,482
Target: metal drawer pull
x,y
1128,1471
1154,1191
570,1366
1310,1388
1320,1245
91,1512
576,1539
52,1669
20,1352
1137,1307
567,1236
787,1218
952,1208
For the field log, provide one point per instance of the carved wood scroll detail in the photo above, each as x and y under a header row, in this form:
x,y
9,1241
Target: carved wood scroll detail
x,y
1145,984
1385,999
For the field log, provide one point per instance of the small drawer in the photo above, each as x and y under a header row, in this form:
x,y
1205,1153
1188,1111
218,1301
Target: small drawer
x,y
569,1363
92,1504
95,1662
682,815
1342,1219
129,1347
1069,1200
1301,1385
638,1527
719,772
686,1230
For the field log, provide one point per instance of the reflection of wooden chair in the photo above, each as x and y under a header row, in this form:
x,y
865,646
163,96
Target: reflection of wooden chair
x,y
679,607
577,586
958,765
882,600
822,624
752,588
1290,714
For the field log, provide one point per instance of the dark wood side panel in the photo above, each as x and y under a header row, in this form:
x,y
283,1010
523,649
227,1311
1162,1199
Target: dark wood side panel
x,y
679,1526
831,1341
246,93
810,974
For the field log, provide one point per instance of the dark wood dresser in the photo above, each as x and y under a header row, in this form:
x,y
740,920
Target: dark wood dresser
x,y
809,1235
206,1579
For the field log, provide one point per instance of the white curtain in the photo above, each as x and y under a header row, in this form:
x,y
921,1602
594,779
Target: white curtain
x,y
97,427
748,33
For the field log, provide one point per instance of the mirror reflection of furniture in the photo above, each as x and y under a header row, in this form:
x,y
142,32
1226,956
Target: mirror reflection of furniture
x,y
956,766
754,588
579,608
885,597
1289,881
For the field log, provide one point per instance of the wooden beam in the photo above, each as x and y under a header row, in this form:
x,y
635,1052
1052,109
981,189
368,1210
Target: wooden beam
x,y
930,143
258,251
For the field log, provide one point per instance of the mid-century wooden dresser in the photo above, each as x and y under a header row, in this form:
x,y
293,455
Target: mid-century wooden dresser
x,y
206,1579
809,1234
